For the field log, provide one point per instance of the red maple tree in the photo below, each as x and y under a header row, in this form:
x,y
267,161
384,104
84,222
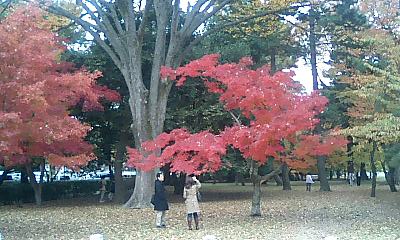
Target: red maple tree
x,y
36,92
274,106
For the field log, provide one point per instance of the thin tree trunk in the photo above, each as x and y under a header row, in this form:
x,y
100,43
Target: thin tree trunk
x,y
391,179
389,176
273,62
278,180
179,183
383,164
313,49
119,183
373,168
324,183
120,190
237,178
256,201
285,177
37,187
42,168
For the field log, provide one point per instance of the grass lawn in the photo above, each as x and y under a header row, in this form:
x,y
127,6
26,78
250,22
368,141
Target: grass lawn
x,y
345,213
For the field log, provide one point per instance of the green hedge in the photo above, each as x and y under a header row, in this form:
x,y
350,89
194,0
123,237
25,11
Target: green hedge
x,y
11,192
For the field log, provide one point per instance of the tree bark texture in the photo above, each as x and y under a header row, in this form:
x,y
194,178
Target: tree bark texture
x,y
391,179
37,187
324,183
285,177
373,168
120,189
256,200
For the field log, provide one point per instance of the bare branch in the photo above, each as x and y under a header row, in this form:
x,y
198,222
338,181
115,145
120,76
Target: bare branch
x,y
175,19
8,4
195,10
269,176
125,7
144,21
114,16
236,118
90,28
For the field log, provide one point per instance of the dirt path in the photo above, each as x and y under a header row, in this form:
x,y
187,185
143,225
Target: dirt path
x,y
345,213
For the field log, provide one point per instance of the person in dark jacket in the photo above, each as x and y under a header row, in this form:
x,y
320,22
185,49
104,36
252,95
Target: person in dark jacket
x,y
160,201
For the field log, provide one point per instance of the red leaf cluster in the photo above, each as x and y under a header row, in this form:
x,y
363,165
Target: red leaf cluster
x,y
36,92
274,106
192,153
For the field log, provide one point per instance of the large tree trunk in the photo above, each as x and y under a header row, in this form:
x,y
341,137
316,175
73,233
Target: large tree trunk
x,y
373,168
37,187
323,181
285,177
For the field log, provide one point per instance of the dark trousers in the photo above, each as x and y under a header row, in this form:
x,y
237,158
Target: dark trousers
x,y
358,180
308,187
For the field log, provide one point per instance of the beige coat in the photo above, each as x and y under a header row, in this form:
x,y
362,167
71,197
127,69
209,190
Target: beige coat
x,y
192,205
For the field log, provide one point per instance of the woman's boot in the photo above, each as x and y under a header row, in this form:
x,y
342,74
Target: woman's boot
x,y
196,221
190,224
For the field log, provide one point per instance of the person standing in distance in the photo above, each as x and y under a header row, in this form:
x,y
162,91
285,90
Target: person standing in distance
x,y
190,191
160,201
309,181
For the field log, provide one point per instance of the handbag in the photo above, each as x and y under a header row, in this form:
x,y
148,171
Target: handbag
x,y
153,200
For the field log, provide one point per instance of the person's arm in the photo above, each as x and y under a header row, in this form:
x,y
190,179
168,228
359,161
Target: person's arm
x,y
184,193
198,184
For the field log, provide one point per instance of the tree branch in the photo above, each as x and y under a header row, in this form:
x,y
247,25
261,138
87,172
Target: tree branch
x,y
236,118
226,25
269,176
114,16
175,19
8,4
144,21
107,28
88,27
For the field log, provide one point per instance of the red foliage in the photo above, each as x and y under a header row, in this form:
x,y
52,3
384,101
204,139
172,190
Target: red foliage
x,y
36,91
274,105
194,153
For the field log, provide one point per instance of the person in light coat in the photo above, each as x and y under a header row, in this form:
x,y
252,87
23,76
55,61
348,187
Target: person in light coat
x,y
309,181
192,186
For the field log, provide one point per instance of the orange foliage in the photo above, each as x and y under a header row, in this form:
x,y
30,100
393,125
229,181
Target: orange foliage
x,y
36,91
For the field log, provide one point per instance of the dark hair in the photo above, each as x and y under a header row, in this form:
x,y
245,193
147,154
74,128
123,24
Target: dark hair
x,y
159,174
189,182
